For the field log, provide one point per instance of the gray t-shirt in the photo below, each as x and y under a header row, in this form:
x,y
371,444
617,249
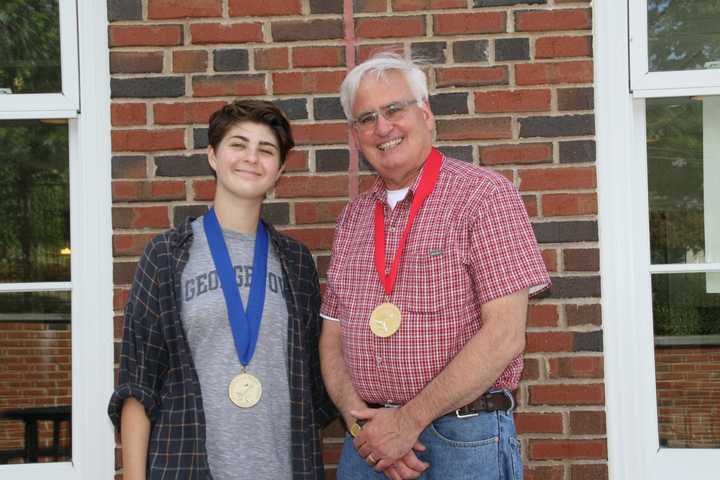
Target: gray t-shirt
x,y
242,443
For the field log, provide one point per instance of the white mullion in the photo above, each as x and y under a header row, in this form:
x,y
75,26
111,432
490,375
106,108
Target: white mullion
x,y
35,287
685,268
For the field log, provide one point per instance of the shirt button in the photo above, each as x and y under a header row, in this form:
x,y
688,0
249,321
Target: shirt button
x,y
378,360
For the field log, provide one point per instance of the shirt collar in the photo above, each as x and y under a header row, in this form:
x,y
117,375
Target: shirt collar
x,y
378,192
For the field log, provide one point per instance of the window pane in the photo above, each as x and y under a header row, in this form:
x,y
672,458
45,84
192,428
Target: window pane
x,y
683,35
30,46
34,202
35,375
686,318
683,175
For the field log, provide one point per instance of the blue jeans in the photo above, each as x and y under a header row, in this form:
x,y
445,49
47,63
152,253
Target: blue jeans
x,y
484,447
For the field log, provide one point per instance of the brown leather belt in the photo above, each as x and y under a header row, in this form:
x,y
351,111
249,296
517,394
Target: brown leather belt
x,y
488,402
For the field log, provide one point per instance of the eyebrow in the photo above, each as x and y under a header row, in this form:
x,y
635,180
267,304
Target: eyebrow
x,y
245,139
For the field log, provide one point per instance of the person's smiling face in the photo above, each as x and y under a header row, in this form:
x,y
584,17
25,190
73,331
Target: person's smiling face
x,y
246,161
397,149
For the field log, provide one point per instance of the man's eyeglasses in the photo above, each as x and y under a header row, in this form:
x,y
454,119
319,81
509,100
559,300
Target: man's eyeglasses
x,y
392,112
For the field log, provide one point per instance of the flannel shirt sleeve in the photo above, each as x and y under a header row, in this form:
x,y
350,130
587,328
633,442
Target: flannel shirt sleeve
x,y
330,306
144,356
325,410
504,256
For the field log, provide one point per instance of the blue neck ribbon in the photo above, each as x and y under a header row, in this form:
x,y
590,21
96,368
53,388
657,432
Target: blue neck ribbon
x,y
245,325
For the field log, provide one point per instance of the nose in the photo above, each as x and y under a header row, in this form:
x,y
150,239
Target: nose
x,y
382,126
251,155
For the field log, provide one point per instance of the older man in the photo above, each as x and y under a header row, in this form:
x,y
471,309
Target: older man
x,y
425,307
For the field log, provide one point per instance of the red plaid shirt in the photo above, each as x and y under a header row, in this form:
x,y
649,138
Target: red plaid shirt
x,y
470,243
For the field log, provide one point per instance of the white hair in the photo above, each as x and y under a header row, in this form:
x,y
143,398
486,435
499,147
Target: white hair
x,y
379,64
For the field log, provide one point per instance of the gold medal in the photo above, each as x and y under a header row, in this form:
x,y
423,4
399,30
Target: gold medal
x,y
245,390
385,319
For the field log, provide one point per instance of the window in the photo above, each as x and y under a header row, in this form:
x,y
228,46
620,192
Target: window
x,y
55,254
658,175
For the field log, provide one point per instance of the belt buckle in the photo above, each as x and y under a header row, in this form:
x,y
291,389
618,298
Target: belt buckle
x,y
465,415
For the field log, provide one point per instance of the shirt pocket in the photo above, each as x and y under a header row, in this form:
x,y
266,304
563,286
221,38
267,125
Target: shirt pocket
x,y
423,281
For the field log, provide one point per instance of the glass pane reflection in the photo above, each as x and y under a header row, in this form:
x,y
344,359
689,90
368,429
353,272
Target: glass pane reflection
x,y
34,202
35,377
30,46
675,180
683,35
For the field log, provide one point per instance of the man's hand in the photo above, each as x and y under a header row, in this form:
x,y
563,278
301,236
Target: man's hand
x,y
387,434
409,466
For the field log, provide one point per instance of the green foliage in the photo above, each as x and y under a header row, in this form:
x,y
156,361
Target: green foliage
x,y
683,34
682,306
30,46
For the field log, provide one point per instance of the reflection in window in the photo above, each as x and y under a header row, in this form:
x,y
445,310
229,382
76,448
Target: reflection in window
x,y
683,34
34,202
35,377
675,180
30,46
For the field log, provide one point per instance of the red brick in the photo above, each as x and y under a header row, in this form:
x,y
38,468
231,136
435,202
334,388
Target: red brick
x,y
549,256
203,190
471,76
512,101
264,8
423,5
307,82
554,73
587,423
241,85
549,472
188,61
390,27
575,367
124,114
163,9
531,369
271,58
136,62
583,315
320,133
540,315
314,238
130,245
474,128
296,161
147,140
140,217
549,342
185,112
318,57
312,186
527,422
318,212
524,153
562,204
554,47
557,178
589,471
145,35
464,23
551,20
126,191
581,259
567,449
567,394
531,206
370,6
364,52
120,298
203,33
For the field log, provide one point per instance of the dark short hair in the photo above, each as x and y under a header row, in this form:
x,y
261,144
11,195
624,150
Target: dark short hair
x,y
255,111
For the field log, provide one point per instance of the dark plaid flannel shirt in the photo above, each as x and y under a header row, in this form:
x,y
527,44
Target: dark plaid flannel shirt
x,y
156,365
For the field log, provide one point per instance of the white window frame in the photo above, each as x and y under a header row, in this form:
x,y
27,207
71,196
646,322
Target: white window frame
x,y
64,104
633,445
93,438
645,83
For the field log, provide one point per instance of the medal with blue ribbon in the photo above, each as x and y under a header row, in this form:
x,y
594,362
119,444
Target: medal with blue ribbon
x,y
245,389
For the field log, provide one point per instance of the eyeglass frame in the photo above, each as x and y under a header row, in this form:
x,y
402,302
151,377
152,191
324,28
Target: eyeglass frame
x,y
375,114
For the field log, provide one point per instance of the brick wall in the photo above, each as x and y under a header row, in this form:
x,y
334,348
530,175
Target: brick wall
x,y
688,388
511,85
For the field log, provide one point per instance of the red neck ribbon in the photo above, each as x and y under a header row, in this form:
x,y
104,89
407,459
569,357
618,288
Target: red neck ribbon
x,y
424,189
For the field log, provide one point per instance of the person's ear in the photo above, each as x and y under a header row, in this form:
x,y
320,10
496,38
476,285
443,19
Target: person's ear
x,y
212,161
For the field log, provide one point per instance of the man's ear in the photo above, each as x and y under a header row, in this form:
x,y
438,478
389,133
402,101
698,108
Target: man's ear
x,y
354,138
212,161
428,115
